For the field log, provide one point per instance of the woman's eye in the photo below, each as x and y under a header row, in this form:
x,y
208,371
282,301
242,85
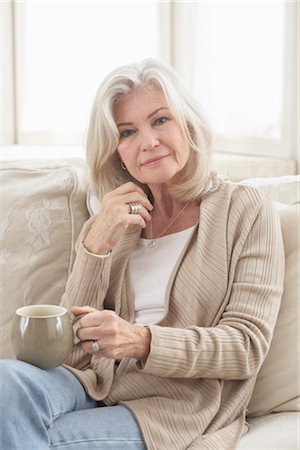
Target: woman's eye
x,y
126,133
161,121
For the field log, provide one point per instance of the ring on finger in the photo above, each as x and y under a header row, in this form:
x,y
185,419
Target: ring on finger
x,y
95,347
134,208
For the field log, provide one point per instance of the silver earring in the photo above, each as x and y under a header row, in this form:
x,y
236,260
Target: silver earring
x,y
123,166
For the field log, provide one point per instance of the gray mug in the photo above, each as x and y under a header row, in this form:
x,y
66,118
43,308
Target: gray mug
x,y
43,335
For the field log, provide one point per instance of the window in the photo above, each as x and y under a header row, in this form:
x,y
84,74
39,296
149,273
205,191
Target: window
x,y
238,58
242,63
64,50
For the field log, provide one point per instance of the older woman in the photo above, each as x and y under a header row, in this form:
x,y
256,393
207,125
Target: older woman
x,y
178,277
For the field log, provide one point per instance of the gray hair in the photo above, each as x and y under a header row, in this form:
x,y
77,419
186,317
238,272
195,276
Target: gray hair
x,y
103,136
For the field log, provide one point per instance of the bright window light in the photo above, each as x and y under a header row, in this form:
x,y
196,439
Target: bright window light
x,y
238,75
66,50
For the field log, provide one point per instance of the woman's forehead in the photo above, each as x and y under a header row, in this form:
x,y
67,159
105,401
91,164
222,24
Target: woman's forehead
x,y
145,99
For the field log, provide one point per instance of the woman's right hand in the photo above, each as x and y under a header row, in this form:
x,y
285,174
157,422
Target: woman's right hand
x,y
114,217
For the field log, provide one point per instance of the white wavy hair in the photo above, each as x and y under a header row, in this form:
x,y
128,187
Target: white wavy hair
x,y
103,136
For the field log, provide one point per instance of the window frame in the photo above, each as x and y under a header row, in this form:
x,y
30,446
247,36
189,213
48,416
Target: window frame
x,y
7,76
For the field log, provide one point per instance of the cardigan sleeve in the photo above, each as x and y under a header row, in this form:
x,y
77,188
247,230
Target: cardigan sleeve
x,y
236,347
89,280
86,285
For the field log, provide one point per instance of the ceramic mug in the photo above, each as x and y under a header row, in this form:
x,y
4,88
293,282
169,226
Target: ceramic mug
x,y
43,335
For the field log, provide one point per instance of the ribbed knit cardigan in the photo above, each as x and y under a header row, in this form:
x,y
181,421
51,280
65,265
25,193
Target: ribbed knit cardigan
x,y
221,306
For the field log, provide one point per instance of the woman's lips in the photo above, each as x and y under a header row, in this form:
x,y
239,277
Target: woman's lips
x,y
153,161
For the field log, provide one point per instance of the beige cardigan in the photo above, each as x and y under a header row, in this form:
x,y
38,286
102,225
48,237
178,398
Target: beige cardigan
x,y
221,306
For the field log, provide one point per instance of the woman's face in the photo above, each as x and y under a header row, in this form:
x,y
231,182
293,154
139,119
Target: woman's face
x,y
151,145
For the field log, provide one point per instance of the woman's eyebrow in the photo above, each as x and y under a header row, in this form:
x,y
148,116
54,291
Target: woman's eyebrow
x,y
148,117
156,111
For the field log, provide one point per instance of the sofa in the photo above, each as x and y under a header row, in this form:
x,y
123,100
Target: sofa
x,y
44,205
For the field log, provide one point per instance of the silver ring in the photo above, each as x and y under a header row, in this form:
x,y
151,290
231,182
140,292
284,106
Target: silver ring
x,y
134,208
95,347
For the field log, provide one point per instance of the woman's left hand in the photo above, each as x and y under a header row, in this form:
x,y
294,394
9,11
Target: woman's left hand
x,y
116,337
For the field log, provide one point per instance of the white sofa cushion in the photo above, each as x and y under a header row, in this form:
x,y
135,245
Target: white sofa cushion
x,y
281,189
277,385
276,431
43,210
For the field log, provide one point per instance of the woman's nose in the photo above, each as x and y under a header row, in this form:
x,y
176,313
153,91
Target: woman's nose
x,y
148,140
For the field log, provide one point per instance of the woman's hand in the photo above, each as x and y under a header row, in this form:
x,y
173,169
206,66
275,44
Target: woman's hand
x,y
114,217
116,337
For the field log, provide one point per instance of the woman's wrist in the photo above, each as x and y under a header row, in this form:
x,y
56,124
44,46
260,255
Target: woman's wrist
x,y
96,250
143,342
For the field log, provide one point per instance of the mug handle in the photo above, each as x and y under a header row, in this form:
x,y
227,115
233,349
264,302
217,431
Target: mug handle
x,y
74,320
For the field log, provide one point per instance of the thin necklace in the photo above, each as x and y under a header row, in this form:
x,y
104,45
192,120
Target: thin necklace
x,y
152,242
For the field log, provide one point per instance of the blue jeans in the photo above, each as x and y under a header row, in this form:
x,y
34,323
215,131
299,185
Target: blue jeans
x,y
49,409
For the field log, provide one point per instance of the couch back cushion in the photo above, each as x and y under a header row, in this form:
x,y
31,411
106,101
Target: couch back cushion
x,y
277,385
43,209
284,189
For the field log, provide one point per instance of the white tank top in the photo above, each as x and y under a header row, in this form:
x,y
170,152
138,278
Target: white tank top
x,y
150,270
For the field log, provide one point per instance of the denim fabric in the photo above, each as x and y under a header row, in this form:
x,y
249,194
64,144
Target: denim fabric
x,y
49,409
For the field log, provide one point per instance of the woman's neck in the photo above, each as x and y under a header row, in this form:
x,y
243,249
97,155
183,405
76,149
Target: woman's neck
x,y
166,209
164,204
